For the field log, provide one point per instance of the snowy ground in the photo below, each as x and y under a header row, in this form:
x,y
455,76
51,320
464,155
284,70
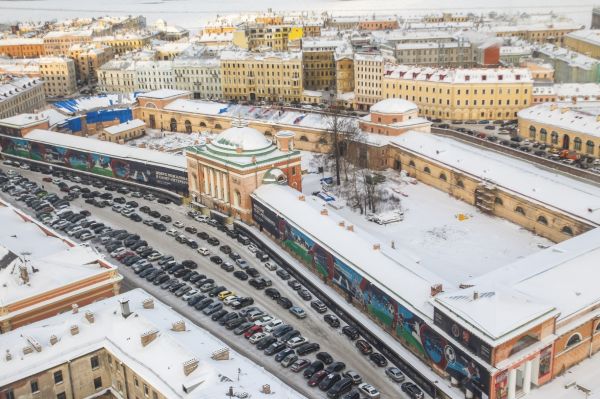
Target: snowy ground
x,y
432,233
167,141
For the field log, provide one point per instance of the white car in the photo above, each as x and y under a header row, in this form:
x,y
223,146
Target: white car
x,y
154,256
201,218
230,299
296,341
178,224
203,251
252,248
172,232
87,236
257,337
25,166
271,266
263,320
118,251
189,294
369,390
270,326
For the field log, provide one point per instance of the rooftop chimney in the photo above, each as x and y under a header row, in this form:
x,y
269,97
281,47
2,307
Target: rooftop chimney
x,y
436,289
190,366
324,212
475,295
148,303
125,312
75,308
302,198
376,247
220,354
8,356
27,349
89,317
34,344
178,326
350,228
148,337
266,389
74,329
53,339
342,224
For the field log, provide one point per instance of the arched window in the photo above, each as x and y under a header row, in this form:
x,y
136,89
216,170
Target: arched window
x,y
520,210
173,125
322,140
598,327
303,138
498,201
188,126
443,176
567,230
268,133
202,124
411,163
573,340
589,147
426,169
532,132
542,220
543,135
237,198
577,144
460,184
218,126
554,137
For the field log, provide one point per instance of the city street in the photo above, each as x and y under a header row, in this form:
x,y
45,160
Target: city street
x,y
312,327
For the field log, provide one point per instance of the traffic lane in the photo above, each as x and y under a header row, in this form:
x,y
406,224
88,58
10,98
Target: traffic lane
x,y
313,327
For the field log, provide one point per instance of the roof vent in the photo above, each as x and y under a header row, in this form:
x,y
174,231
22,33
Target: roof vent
x,y
190,366
302,198
341,224
89,315
475,295
34,344
27,350
324,212
350,227
148,337
221,354
376,247
178,326
436,289
148,303
53,339
74,329
8,356
125,312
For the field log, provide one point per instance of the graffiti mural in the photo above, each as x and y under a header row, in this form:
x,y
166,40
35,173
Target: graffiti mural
x,y
408,327
100,164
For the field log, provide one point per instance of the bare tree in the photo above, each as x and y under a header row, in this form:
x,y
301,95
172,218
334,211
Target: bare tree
x,y
341,131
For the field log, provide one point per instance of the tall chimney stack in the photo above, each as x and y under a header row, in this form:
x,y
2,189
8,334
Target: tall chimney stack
x,y
125,312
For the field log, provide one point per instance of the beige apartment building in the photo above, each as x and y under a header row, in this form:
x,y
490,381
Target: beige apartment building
x,y
318,62
60,78
344,73
21,95
461,94
275,77
368,73
59,42
88,59
117,76
584,41
122,44
201,76
22,47
256,36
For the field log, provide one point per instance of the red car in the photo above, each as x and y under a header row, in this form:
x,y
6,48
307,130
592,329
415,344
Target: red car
x,y
317,378
253,330
47,179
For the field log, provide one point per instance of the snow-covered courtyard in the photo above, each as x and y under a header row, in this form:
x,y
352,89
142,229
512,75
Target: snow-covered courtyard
x,y
448,237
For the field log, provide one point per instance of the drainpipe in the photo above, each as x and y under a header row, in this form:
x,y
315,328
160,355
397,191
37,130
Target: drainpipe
x,y
592,337
71,380
125,380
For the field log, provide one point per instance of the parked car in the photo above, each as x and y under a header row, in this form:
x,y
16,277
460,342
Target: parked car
x,y
351,332
395,374
364,347
378,359
413,391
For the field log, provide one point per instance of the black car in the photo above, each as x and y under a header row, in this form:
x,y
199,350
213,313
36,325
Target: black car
x,y
281,355
281,330
274,348
307,348
228,317
228,267
265,342
257,283
216,259
252,272
305,294
294,285
325,357
218,315
189,264
241,275
351,332
335,367
284,302
283,274
328,382
412,390
242,302
235,323
191,229
213,241
332,320
378,359
272,293
203,235
204,303
166,218
234,256
315,366
226,249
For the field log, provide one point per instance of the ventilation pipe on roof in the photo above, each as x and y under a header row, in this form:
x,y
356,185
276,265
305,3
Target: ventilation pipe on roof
x,y
125,312
436,289
190,366
475,295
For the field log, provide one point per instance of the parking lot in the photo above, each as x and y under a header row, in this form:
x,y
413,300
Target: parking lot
x,y
313,327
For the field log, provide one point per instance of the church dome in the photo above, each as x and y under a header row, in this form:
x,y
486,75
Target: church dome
x,y
393,106
241,137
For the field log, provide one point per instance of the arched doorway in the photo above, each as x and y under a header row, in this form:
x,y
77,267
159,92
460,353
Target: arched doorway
x,y
173,125
188,126
565,142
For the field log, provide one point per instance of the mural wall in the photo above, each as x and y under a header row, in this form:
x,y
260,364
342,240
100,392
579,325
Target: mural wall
x,y
100,164
417,335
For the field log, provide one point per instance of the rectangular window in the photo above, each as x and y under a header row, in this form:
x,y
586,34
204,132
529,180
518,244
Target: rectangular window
x,y
34,386
10,394
58,377
97,382
61,395
95,363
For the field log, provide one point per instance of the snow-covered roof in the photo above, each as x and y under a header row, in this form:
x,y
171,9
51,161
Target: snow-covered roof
x,y
125,126
83,104
580,118
160,363
238,55
591,36
15,86
461,75
51,262
579,90
164,93
393,106
241,137
142,155
552,189
411,282
19,41
571,58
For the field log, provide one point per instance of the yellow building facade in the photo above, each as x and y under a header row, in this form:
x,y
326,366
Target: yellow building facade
x,y
22,47
585,42
344,74
461,94
260,36
125,43
274,77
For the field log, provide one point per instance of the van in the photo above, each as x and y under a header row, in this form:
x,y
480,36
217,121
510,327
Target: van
x,y
243,240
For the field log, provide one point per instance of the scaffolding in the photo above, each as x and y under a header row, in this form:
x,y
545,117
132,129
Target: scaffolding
x,y
485,197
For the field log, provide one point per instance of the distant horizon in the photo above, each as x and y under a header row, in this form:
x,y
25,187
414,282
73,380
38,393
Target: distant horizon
x,y
192,15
